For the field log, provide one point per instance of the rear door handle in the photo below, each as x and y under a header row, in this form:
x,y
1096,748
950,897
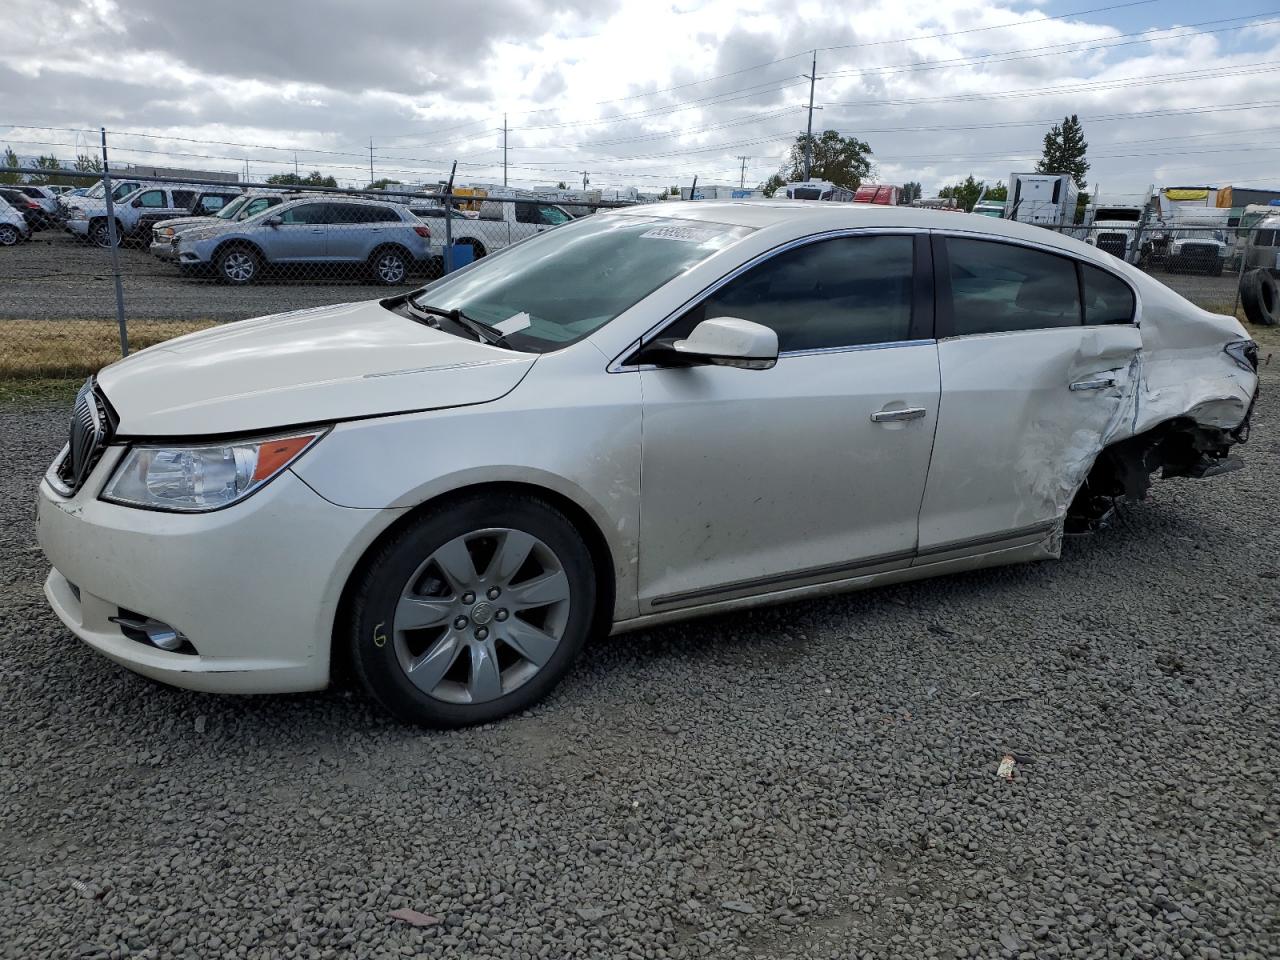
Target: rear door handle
x,y
1102,383
891,416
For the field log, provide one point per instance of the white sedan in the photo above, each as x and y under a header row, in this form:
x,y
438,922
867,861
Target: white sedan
x,y
638,417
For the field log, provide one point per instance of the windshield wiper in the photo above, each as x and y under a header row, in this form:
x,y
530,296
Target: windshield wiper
x,y
484,332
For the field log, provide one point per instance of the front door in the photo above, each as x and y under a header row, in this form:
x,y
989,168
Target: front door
x,y
301,234
755,481
1029,390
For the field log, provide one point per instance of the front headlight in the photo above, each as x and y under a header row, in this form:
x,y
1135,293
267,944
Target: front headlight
x,y
165,232
76,212
196,479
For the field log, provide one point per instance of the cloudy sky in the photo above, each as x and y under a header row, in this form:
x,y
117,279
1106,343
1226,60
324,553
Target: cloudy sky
x,y
645,93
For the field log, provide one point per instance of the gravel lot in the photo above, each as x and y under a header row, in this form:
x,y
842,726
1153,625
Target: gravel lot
x,y
815,780
56,277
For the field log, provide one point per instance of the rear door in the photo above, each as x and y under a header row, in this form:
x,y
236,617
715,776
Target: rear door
x,y
1029,389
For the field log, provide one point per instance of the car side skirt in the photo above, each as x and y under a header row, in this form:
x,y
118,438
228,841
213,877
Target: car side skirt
x,y
1046,545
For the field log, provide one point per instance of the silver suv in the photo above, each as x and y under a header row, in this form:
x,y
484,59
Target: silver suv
x,y
384,237
164,235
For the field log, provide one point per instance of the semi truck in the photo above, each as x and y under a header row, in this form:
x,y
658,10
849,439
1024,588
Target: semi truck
x,y
1045,199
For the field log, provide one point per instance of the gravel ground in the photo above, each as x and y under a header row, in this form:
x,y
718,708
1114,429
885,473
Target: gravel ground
x,y
57,278
815,780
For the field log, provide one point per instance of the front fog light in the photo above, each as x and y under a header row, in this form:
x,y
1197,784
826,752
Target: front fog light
x,y
194,479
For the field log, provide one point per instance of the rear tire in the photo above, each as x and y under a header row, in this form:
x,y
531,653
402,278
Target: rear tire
x,y
1260,295
389,266
238,266
9,235
439,644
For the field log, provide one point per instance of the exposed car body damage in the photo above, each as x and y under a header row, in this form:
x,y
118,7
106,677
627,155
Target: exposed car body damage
x,y
1178,415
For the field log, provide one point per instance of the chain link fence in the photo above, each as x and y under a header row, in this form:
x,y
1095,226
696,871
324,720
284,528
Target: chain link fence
x,y
95,266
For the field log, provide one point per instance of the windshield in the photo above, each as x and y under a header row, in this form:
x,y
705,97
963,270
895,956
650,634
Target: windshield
x,y
229,211
565,284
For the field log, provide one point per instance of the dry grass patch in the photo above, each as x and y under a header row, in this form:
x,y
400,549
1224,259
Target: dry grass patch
x,y
47,349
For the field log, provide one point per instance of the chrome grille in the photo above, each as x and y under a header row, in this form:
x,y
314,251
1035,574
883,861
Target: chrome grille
x,y
1112,243
87,438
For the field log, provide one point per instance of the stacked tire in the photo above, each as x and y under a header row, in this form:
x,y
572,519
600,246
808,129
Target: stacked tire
x,y
1260,295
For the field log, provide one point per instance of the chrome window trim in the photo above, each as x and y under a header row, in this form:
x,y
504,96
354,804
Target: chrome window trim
x,y
617,365
961,234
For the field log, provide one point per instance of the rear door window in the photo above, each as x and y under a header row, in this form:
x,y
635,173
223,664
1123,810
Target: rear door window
x,y
1107,298
184,198
1001,287
152,198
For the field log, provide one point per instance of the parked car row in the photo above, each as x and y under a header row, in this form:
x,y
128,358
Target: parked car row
x,y
264,232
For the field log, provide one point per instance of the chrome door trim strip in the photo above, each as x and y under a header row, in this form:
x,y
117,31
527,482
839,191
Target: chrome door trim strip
x,y
843,571
826,570
988,540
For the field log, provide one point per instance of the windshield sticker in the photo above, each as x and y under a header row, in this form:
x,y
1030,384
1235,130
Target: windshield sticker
x,y
686,234
514,324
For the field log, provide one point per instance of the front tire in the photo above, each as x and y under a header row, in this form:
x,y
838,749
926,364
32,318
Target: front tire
x,y
9,235
100,233
474,611
238,266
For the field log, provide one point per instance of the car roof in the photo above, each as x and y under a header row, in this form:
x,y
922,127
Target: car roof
x,y
344,199
804,217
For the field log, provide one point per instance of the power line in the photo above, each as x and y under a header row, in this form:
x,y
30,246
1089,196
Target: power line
x,y
1204,73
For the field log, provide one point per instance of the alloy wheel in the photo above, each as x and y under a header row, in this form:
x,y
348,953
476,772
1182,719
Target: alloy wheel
x,y
9,236
481,615
239,266
391,268
101,234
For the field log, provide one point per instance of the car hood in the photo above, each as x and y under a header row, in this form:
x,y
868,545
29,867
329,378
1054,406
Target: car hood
x,y
341,362
187,223
203,231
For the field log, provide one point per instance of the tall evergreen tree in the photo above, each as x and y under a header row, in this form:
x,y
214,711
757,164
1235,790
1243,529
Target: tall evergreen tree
x,y
1064,151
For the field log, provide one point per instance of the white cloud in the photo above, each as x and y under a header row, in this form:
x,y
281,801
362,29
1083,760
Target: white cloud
x,y
587,86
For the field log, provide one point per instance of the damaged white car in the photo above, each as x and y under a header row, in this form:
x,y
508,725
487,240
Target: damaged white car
x,y
637,417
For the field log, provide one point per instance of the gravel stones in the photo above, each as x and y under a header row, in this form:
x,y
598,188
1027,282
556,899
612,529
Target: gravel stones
x,y
828,765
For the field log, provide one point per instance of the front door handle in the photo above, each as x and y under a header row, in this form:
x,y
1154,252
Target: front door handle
x,y
1102,383
892,416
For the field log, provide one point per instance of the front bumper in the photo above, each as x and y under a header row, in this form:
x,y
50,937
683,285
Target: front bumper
x,y
78,227
254,587
164,249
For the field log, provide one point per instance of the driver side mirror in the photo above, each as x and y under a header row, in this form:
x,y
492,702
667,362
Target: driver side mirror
x,y
136,203
722,341
273,221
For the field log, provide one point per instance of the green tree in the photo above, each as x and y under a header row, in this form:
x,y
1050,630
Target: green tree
x,y
1064,151
562,185
909,192
965,193
844,161
998,193
88,163
51,168
312,179
770,186
10,161
382,184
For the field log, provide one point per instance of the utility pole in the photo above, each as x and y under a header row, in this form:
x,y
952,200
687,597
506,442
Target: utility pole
x,y
808,137
295,165
371,160
742,177
504,149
